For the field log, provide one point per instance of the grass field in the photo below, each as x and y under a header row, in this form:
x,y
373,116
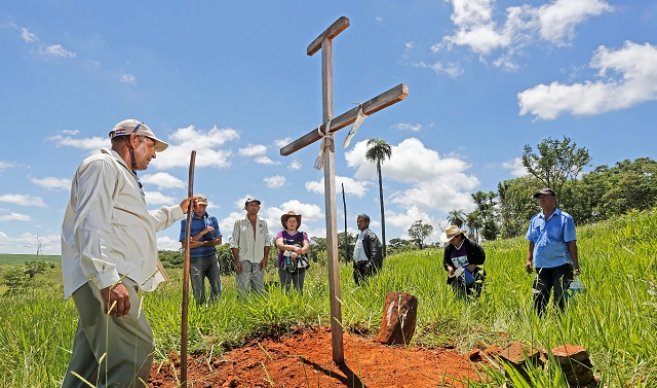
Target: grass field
x,y
615,319
8,258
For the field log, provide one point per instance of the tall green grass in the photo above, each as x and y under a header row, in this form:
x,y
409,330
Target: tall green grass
x,y
615,319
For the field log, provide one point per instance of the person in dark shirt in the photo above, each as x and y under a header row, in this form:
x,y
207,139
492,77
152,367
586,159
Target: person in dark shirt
x,y
462,260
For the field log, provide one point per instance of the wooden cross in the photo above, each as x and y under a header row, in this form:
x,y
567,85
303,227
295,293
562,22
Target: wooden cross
x,y
329,126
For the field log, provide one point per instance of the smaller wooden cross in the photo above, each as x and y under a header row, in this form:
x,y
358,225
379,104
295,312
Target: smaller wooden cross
x,y
330,125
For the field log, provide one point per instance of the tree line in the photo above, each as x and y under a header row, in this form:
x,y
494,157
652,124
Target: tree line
x,y
602,193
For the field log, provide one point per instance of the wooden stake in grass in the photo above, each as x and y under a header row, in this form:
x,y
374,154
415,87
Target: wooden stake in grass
x,y
324,42
185,285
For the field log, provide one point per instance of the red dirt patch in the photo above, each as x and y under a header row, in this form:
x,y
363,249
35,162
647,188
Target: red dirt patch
x,y
304,359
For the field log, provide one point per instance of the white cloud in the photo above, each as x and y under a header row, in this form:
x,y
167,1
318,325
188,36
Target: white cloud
x,y
436,182
404,220
206,144
414,127
477,30
127,78
351,186
635,67
162,180
265,160
252,150
226,224
280,143
559,19
157,198
22,200
274,182
515,166
452,70
91,143
70,132
27,243
475,27
47,50
6,165
15,217
410,45
57,50
166,243
28,36
52,183
310,213
295,165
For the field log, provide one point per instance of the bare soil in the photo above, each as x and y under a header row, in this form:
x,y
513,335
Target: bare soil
x,y
305,359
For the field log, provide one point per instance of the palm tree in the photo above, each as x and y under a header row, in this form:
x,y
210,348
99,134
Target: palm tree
x,y
377,152
475,223
456,217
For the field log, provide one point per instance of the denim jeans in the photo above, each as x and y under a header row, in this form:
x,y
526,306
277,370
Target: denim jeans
x,y
200,268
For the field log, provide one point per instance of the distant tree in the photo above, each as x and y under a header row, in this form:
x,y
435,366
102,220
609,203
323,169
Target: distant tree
x,y
626,186
378,152
474,221
515,206
318,244
419,232
457,217
556,162
225,257
346,246
485,202
399,245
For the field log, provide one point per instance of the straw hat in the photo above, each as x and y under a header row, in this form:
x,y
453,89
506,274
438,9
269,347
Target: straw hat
x,y
452,231
289,214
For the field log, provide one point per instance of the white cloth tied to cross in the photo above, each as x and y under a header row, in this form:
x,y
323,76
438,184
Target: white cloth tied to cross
x,y
327,136
327,141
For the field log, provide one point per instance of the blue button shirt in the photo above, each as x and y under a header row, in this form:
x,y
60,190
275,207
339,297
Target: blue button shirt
x,y
550,238
198,223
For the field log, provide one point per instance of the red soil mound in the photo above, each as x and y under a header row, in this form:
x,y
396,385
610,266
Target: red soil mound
x,y
304,359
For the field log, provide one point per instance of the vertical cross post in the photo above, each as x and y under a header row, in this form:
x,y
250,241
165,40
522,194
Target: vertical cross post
x,y
329,186
327,128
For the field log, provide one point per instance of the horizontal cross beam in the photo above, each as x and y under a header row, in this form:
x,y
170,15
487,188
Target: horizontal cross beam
x,y
334,29
385,99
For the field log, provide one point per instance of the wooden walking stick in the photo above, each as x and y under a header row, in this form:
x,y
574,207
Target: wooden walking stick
x,y
185,295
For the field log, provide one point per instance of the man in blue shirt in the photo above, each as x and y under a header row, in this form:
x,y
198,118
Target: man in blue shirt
x,y
205,235
552,251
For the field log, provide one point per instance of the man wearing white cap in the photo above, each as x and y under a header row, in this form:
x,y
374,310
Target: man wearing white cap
x,y
109,253
250,248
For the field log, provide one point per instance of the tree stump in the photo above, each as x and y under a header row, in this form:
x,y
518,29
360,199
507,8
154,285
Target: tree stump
x,y
399,318
575,363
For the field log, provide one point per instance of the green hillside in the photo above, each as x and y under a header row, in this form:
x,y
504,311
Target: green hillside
x,y
615,319
9,258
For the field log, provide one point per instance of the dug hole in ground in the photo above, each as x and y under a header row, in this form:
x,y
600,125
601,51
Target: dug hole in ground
x,y
303,358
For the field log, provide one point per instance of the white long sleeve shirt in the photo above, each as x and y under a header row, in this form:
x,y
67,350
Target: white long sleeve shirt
x,y
251,244
107,231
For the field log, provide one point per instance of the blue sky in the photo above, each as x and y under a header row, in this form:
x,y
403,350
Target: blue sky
x,y
232,80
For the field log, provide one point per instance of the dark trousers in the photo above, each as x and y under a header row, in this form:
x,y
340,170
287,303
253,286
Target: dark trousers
x,y
200,268
557,278
363,270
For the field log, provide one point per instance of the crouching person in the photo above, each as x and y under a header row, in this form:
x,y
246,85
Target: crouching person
x,y
462,260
